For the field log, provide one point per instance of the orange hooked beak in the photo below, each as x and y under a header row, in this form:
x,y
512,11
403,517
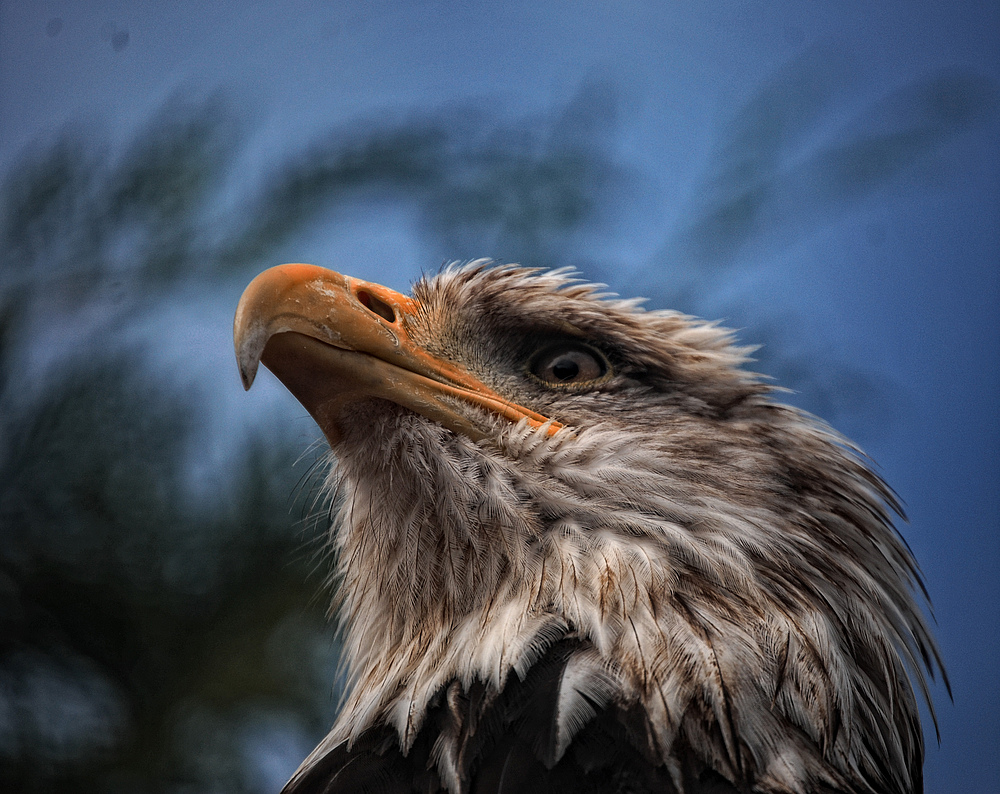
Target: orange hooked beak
x,y
332,340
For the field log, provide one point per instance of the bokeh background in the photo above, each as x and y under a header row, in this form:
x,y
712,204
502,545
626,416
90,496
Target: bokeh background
x,y
823,176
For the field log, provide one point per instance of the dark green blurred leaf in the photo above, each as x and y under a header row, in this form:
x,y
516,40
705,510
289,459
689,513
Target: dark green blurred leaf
x,y
778,175
151,640
124,600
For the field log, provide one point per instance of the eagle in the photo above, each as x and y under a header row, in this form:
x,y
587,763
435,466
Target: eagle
x,y
578,546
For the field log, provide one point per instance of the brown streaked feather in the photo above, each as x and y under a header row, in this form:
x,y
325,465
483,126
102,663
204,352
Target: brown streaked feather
x,y
688,588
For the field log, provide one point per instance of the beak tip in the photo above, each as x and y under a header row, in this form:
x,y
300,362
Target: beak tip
x,y
248,361
248,365
249,338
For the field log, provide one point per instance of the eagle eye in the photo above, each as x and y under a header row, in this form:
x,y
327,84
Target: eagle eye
x,y
568,364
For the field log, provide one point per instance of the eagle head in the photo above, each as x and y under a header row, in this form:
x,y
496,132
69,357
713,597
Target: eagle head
x,y
577,544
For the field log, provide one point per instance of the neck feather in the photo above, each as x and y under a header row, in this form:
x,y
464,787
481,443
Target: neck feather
x,y
730,610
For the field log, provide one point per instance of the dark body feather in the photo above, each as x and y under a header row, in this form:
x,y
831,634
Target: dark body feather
x,y
506,744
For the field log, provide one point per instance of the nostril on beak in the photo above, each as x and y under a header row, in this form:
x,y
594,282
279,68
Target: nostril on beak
x,y
376,305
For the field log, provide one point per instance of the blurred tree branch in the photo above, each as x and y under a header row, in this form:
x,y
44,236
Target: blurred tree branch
x,y
146,636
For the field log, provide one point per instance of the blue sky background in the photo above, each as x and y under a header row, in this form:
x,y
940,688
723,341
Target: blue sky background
x,y
900,284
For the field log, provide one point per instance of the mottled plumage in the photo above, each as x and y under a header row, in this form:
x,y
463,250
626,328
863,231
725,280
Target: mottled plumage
x,y
687,588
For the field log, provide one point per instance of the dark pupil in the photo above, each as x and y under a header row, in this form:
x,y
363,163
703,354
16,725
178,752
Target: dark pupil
x,y
565,368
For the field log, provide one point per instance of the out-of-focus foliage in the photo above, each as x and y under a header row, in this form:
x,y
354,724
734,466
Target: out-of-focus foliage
x,y
809,147
792,159
151,640
518,192
126,608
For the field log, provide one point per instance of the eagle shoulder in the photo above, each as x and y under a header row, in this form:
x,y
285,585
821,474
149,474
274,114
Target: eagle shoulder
x,y
555,730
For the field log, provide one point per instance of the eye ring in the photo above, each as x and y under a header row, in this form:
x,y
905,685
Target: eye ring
x,y
569,364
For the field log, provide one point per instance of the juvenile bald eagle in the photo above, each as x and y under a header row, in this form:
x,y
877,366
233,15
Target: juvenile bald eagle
x,y
581,549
